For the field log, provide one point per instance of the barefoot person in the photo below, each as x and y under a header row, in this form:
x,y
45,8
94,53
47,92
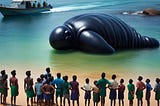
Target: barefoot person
x,y
131,90
28,87
102,87
48,90
14,87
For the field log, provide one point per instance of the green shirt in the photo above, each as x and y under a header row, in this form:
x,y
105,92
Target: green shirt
x,y
102,86
66,86
131,89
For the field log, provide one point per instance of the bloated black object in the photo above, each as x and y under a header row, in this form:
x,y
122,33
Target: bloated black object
x,y
98,33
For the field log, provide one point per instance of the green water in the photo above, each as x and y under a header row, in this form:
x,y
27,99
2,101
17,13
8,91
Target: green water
x,y
24,40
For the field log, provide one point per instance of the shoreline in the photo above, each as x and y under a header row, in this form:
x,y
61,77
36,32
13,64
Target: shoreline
x,y
81,76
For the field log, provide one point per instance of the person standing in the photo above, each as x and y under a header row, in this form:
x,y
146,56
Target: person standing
x,y
121,89
113,90
38,91
139,92
148,91
102,87
87,88
75,90
28,87
66,88
131,90
14,87
96,96
58,83
157,90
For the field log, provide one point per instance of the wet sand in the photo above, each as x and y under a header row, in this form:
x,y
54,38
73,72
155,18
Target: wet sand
x,y
81,75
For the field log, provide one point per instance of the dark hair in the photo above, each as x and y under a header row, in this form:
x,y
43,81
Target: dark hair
x,y
103,75
147,80
3,72
58,75
48,70
65,78
5,77
48,81
122,81
95,82
13,72
51,78
38,80
140,78
74,77
28,73
87,80
113,76
42,76
130,81
157,80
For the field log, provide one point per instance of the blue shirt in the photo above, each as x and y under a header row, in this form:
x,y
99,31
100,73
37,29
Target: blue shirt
x,y
38,88
58,82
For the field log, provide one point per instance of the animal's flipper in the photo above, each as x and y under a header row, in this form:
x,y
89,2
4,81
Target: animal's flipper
x,y
92,42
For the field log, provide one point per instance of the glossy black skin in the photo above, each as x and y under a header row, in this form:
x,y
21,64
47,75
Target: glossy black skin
x,y
98,33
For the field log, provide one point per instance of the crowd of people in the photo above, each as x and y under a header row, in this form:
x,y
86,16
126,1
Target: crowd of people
x,y
46,88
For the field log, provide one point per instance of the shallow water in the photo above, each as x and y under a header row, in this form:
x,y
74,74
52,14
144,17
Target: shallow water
x,y
25,41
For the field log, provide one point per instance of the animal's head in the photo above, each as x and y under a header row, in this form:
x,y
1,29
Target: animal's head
x,y
60,38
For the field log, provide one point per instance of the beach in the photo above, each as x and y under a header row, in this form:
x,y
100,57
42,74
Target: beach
x,y
25,45
81,76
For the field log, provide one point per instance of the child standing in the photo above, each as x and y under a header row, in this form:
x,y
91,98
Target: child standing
x,y
59,93
66,93
102,87
96,96
131,90
87,88
148,91
157,90
14,87
139,92
28,87
113,87
47,89
5,86
121,89
38,91
74,90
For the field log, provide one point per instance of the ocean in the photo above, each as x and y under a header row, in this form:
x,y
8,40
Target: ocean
x,y
24,44
25,39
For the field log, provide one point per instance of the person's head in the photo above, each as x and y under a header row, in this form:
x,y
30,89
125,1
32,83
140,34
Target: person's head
x,y
42,76
140,78
122,81
103,75
130,81
65,78
48,70
58,75
147,81
113,76
60,38
48,81
13,73
87,80
95,82
51,78
28,73
38,79
3,72
157,80
74,77
5,77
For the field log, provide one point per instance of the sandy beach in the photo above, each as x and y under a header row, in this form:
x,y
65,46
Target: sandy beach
x,y
21,99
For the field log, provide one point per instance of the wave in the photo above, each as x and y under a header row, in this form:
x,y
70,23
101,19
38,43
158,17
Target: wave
x,y
132,13
72,8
